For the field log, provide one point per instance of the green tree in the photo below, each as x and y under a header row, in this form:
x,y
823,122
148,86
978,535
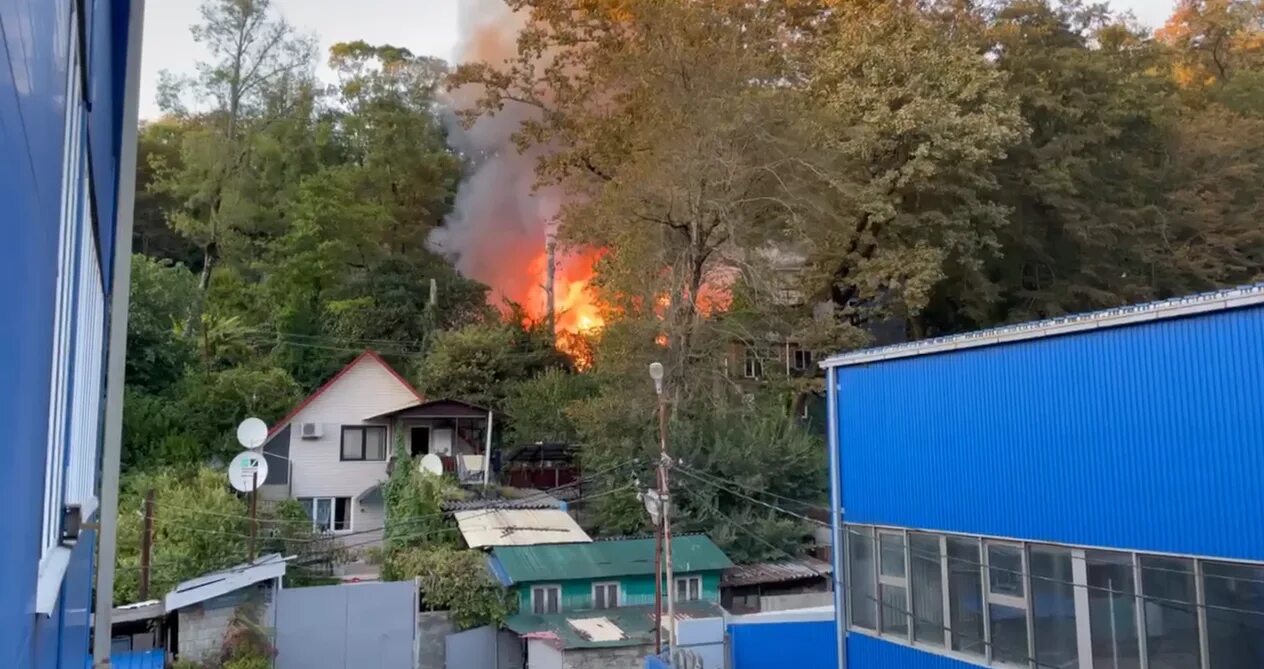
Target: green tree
x,y
538,406
214,403
453,580
479,362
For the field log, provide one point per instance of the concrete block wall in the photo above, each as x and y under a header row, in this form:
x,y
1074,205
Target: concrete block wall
x,y
202,627
630,657
433,628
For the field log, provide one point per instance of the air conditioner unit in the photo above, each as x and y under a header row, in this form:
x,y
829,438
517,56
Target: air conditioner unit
x,y
310,430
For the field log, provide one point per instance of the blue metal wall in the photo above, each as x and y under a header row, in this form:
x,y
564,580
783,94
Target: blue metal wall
x,y
800,644
866,652
33,39
1146,437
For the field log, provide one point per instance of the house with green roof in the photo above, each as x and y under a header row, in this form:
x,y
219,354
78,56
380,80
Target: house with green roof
x,y
597,599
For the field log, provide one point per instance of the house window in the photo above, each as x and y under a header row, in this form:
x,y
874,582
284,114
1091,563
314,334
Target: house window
x,y
364,442
328,514
546,599
689,589
801,360
605,595
753,367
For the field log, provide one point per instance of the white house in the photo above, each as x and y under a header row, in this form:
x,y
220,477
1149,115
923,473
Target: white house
x,y
331,452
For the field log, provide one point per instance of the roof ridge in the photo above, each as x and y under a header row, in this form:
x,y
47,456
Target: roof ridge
x,y
367,354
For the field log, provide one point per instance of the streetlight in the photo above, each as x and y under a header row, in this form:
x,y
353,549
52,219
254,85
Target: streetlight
x,y
664,497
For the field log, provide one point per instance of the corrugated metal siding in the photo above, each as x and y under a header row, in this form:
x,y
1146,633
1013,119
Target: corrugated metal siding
x,y
865,652
34,35
802,645
1148,437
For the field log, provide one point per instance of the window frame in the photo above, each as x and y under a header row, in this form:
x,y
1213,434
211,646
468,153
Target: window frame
x,y
309,505
807,359
546,588
605,586
894,581
689,581
364,443
752,364
1079,580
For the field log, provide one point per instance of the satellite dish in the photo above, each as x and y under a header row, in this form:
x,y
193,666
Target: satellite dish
x,y
252,433
247,469
431,464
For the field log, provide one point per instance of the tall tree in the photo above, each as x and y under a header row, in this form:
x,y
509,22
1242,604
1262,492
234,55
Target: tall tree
x,y
258,64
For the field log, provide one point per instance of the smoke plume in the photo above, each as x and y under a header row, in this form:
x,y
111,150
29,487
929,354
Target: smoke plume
x,y
497,231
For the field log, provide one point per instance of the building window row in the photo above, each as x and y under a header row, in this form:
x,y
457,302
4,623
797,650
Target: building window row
x,y
1007,603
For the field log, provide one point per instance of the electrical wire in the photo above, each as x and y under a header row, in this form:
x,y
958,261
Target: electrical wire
x,y
810,505
774,507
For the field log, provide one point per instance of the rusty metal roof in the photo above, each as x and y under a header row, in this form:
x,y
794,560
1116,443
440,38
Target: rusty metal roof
x,y
775,572
519,527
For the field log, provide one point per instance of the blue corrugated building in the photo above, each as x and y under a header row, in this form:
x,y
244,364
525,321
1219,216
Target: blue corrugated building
x,y
1085,492
64,76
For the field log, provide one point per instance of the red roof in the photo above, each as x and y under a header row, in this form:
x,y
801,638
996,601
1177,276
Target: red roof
x,y
368,354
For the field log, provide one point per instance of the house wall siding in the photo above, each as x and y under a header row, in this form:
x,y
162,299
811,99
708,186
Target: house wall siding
x,y
365,390
633,591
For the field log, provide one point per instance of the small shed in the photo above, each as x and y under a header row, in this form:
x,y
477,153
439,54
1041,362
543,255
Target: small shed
x,y
773,586
541,465
205,606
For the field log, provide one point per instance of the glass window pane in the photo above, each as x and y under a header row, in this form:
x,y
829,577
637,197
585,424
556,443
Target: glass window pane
x,y
352,443
1235,615
1171,617
1005,567
927,582
1053,607
892,561
1009,634
965,595
342,513
375,443
553,606
1112,606
323,512
894,609
861,568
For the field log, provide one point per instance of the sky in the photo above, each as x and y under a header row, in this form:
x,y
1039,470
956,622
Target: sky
x,y
423,26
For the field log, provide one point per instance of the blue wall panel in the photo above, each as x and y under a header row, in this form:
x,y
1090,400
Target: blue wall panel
x,y
802,645
1149,437
866,652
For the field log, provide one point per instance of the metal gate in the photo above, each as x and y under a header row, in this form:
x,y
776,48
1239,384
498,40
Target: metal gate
x,y
354,626
483,648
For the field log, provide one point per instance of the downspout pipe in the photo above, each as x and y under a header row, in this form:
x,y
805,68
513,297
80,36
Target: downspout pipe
x,y
120,295
839,552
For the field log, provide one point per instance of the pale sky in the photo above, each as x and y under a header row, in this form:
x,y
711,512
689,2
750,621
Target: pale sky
x,y
423,26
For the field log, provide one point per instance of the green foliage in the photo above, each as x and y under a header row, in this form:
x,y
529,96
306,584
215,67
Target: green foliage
x,y
479,362
538,406
413,500
214,403
200,525
161,296
454,580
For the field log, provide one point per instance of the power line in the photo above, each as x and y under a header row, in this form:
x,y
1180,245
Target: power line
x,y
810,505
774,507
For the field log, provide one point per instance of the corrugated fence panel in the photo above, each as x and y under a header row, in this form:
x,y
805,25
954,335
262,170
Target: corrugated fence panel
x,y
1149,437
866,652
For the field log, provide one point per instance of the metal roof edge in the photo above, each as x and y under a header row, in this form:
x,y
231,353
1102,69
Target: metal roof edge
x,y
1200,303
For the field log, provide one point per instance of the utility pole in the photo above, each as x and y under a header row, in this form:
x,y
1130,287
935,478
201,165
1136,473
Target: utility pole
x,y
146,545
254,511
658,581
664,497
550,262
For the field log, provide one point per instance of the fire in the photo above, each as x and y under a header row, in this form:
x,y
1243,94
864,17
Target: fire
x,y
575,308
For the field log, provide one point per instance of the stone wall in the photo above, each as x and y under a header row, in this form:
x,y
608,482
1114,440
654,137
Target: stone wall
x,y
433,628
202,627
631,657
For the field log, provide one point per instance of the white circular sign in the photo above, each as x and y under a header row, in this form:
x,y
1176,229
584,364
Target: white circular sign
x,y
252,433
243,469
431,464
